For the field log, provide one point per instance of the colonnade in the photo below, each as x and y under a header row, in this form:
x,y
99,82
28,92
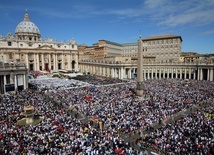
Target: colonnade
x,y
13,82
151,72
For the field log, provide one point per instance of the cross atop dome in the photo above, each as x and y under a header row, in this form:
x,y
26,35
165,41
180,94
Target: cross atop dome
x,y
26,17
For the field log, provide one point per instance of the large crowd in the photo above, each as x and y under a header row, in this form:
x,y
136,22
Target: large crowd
x,y
114,112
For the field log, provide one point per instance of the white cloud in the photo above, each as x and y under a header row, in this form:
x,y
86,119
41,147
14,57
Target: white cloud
x,y
153,4
197,13
169,13
209,32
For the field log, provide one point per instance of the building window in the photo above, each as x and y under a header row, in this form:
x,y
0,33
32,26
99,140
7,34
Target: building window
x,y
72,46
21,45
9,43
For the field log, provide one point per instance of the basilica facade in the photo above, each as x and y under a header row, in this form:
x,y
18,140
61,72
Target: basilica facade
x,y
27,46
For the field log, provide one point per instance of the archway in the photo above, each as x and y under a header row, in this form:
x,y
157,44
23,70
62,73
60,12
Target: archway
x,y
73,65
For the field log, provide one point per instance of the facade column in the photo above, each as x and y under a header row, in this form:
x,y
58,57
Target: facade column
x,y
167,73
194,75
160,72
152,73
63,61
49,61
119,73
35,62
103,71
56,62
185,73
164,73
43,62
129,73
176,73
156,74
172,73
37,57
26,60
76,63
69,62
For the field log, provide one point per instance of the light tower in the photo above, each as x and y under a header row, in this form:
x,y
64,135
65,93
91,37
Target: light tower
x,y
140,85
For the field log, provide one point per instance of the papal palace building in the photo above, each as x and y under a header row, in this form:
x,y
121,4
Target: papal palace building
x,y
27,51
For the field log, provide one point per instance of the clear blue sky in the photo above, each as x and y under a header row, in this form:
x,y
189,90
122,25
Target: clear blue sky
x,y
121,21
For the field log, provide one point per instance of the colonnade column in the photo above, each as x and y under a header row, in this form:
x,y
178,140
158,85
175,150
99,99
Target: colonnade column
x,y
208,74
190,73
201,73
15,82
5,82
181,72
176,73
112,72
24,81
198,74
211,74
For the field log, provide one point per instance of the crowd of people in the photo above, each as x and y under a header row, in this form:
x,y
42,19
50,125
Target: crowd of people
x,y
193,134
114,112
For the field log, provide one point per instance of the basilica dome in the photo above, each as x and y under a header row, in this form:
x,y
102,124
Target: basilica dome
x,y
27,26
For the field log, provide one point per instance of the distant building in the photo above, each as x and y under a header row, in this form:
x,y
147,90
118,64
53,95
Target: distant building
x,y
166,48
